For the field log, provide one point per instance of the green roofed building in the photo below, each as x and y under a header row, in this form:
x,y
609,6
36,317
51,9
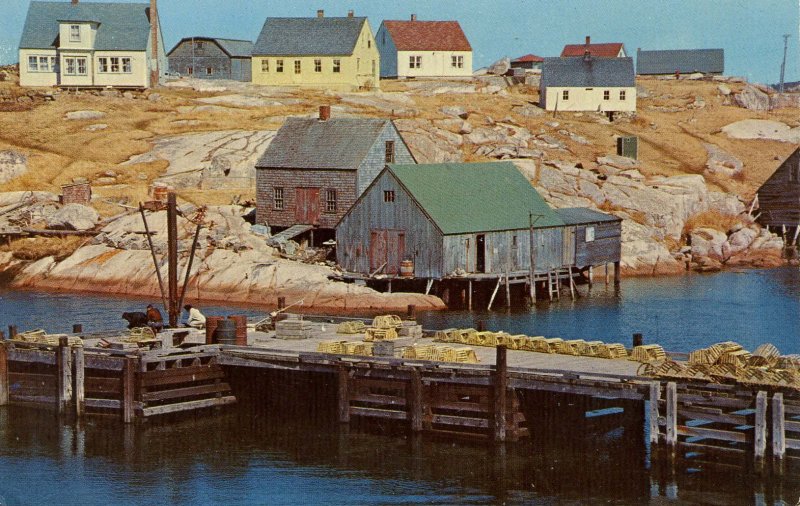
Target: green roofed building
x,y
478,221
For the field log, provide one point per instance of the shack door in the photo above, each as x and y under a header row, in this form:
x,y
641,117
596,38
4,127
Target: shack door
x,y
307,206
568,247
480,253
386,250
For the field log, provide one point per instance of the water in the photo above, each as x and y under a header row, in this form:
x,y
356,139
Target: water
x,y
256,453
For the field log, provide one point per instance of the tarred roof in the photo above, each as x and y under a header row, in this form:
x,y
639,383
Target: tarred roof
x,y
608,49
427,35
528,58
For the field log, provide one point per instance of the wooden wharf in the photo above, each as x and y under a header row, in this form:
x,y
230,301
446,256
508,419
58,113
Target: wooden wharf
x,y
505,397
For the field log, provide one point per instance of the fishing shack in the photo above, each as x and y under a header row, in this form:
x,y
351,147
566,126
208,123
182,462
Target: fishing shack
x,y
778,199
466,227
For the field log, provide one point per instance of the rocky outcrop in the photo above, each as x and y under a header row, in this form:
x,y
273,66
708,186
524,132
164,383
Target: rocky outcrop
x,y
73,217
721,163
743,246
429,143
12,164
83,115
762,129
500,67
752,98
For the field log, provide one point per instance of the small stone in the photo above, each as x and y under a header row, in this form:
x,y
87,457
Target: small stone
x,y
96,127
84,115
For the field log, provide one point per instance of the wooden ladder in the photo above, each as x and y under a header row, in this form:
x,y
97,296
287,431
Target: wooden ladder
x,y
552,285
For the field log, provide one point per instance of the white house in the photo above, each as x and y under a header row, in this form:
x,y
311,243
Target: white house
x,y
588,83
91,45
423,49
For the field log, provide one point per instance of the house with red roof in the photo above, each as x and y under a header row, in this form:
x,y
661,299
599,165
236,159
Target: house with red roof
x,y
529,61
423,49
603,50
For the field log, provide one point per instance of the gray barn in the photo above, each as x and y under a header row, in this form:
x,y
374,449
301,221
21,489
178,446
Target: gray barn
x,y
212,58
682,61
779,196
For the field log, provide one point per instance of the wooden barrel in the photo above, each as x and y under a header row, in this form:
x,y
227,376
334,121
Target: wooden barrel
x,y
211,326
225,332
160,193
407,269
241,328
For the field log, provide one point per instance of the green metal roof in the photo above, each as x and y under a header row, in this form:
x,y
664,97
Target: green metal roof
x,y
464,198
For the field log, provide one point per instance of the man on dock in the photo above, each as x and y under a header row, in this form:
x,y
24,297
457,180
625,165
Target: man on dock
x,y
195,318
154,318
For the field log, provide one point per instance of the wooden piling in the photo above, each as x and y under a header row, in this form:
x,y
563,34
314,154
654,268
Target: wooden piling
x,y
80,376
411,312
500,400
778,427
655,397
760,430
12,331
3,374
508,291
2,335
64,366
591,276
77,328
172,259
616,273
128,388
606,273
415,401
281,303
469,299
343,396
672,414
638,339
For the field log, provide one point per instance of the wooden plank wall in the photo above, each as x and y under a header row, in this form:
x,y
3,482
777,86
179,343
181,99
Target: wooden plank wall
x,y
606,247
779,196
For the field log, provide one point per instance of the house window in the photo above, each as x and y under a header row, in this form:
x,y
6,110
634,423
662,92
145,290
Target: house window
x,y
369,43
277,198
589,234
264,65
209,71
513,241
126,65
317,65
330,201
102,65
41,63
278,65
622,94
44,64
297,66
606,94
189,70
33,63
389,152
75,66
457,62
388,195
114,64
565,95
74,33
337,66
414,62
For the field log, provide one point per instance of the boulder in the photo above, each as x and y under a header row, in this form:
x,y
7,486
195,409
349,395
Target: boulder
x,y
752,98
721,162
83,115
762,129
455,110
12,164
96,127
620,162
724,90
784,100
73,217
500,67
741,240
707,242
528,111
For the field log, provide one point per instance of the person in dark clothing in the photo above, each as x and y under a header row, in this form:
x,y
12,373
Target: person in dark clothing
x,y
154,319
135,319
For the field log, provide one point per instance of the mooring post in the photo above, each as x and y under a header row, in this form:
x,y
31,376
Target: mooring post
x,y
77,328
469,295
411,312
12,331
172,259
281,303
508,291
606,268
760,430
672,414
64,366
343,396
616,274
3,373
778,428
591,276
638,339
80,392
500,386
480,326
655,397
128,388
415,401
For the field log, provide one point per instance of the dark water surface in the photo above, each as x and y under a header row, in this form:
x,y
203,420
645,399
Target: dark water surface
x,y
288,452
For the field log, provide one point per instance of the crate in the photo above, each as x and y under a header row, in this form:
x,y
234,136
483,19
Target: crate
x,y
331,346
612,351
351,327
292,328
648,353
382,334
387,321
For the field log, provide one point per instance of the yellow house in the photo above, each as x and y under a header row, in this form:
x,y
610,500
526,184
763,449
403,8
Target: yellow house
x,y
588,83
89,45
336,53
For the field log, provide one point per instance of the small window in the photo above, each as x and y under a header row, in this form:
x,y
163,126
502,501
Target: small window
x,y
209,71
457,62
114,64
389,152
589,234
622,94
330,201
264,65
102,65
337,66
189,70
69,63
277,198
369,43
297,66
33,64
414,62
278,65
565,95
74,33
198,45
126,65
513,241
53,65
317,65
388,195
44,64
606,94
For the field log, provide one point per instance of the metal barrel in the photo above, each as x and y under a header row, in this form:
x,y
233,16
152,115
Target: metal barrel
x,y
225,333
211,326
241,328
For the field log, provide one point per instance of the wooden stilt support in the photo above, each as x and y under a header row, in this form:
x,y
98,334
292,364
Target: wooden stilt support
x,y
12,331
606,268
508,292
616,274
591,276
778,427
655,397
128,388
500,400
64,365
796,233
469,295
672,414
343,395
389,287
172,260
571,283
494,293
428,287
3,373
80,372
415,401
760,429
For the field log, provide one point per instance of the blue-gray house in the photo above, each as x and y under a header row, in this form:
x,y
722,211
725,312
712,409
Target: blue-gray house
x,y
212,58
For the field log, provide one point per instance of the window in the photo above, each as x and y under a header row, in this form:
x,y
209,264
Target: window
x,y
297,66
414,62
565,95
388,195
126,65
264,65
369,43
622,94
115,64
513,241
33,63
198,45
277,198
606,94
209,71
337,66
589,234
81,66
102,65
278,65
44,64
389,152
74,33
457,62
330,201
75,66
317,65
189,70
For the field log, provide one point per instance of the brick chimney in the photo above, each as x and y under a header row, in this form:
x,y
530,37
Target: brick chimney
x,y
586,53
324,112
74,2
413,17
350,13
320,13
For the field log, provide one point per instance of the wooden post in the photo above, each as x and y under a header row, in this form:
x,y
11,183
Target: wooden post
x,y
128,388
500,400
480,326
2,335
390,285
469,296
760,430
281,303
606,268
3,374
616,273
655,397
343,396
591,275
80,392
64,365
672,414
77,328
778,427
12,331
638,339
172,259
415,401
494,293
508,291
411,312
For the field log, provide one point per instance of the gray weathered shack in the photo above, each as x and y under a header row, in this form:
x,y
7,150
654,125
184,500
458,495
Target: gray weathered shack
x,y
779,196
212,58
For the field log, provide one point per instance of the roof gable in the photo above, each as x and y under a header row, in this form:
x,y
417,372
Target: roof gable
x,y
427,35
122,26
465,198
309,36
309,143
605,50
781,176
585,73
680,60
235,48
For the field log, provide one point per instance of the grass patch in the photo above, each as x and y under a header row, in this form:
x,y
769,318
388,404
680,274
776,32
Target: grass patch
x,y
710,219
36,248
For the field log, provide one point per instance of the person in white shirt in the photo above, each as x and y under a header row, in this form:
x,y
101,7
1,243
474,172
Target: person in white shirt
x,y
195,318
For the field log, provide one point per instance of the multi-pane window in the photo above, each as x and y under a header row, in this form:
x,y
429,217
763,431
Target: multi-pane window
x,y
457,62
126,65
389,152
277,198
75,66
114,64
278,65
565,95
102,65
297,66
330,201
33,63
622,94
317,65
81,66
74,33
209,71
337,66
41,63
189,71
388,195
415,62
265,65
606,94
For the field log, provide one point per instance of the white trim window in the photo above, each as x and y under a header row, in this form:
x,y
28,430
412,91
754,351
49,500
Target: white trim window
x,y
278,65
415,62
457,61
75,66
127,67
42,64
265,65
622,94
606,94
337,66
565,95
589,234
317,65
33,64
102,65
115,64
74,33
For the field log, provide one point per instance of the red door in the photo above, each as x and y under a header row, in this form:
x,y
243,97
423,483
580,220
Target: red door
x,y
306,206
377,250
386,250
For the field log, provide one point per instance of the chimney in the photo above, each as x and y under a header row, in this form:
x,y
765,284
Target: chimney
x,y
350,13
74,2
413,17
154,30
320,13
324,112
588,40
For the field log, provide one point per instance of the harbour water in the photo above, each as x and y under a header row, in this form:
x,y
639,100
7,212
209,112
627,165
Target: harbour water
x,y
260,453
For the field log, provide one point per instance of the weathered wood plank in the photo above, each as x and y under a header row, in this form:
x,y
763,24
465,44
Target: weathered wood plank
x,y
723,435
760,433
102,403
80,376
377,398
378,413
27,379
460,421
3,374
64,364
672,414
693,414
342,394
793,444
778,427
185,392
95,385
415,401
655,395
128,389
50,400
188,406
103,362
32,356
181,375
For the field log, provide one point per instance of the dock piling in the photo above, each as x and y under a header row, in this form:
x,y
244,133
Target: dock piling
x,y
760,430
411,312
415,401
638,339
778,427
64,365
80,375
343,396
12,331
172,259
672,414
655,397
3,374
500,399
128,388
77,328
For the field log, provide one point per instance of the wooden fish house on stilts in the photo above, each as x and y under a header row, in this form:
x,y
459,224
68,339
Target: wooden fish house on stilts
x,y
470,229
778,200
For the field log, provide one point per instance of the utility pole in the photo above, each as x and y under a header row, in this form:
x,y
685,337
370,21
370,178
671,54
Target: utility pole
x,y
172,259
783,64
